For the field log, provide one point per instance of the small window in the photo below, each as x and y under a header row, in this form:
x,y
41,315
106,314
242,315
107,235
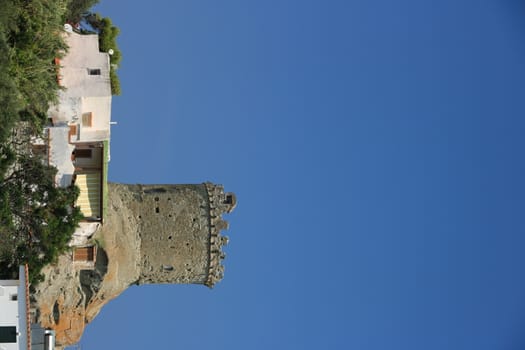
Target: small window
x,y
14,297
87,119
167,267
72,130
95,71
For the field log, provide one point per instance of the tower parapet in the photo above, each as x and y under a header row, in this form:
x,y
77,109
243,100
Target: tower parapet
x,y
220,203
179,227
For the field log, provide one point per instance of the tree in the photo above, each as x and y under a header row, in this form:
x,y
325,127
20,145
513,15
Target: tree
x,y
37,218
78,9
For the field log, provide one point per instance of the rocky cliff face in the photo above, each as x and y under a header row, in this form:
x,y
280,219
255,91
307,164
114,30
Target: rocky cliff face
x,y
151,234
69,298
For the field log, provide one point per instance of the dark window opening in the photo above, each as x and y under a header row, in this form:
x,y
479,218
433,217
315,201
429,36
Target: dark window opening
x,y
7,334
95,71
167,267
228,200
83,153
157,210
14,297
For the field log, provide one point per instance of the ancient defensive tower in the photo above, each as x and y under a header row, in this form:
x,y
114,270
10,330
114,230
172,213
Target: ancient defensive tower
x,y
151,234
179,228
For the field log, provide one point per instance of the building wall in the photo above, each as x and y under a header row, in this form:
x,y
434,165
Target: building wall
x,y
84,91
84,54
100,109
14,312
178,228
9,307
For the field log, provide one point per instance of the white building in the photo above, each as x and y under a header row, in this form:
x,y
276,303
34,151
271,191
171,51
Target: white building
x,y
79,137
16,330
14,326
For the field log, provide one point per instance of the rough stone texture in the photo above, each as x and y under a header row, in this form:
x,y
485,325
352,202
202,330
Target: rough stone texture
x,y
151,234
174,233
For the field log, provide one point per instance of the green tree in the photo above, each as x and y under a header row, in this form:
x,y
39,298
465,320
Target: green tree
x,y
78,9
38,219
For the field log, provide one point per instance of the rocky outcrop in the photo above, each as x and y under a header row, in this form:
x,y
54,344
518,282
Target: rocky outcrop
x,y
69,298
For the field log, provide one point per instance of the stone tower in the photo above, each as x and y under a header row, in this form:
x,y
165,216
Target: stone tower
x,y
151,234
179,230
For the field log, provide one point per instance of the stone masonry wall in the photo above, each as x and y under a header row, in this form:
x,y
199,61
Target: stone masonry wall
x,y
179,229
174,232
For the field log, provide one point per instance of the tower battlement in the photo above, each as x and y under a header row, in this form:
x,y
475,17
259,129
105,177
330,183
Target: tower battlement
x,y
179,227
220,203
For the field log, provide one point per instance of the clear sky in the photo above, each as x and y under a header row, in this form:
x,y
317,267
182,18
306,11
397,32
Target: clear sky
x,y
376,150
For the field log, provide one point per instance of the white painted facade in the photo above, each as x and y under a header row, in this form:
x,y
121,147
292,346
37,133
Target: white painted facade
x,y
84,73
13,311
83,112
81,121
60,150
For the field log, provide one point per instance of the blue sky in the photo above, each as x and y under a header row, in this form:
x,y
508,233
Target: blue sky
x,y
376,150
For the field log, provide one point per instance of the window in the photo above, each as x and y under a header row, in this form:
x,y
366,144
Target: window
x,y
86,254
87,119
83,153
167,268
14,297
7,334
72,130
95,71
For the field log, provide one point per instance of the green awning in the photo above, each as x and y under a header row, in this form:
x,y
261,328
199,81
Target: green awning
x,y
105,162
